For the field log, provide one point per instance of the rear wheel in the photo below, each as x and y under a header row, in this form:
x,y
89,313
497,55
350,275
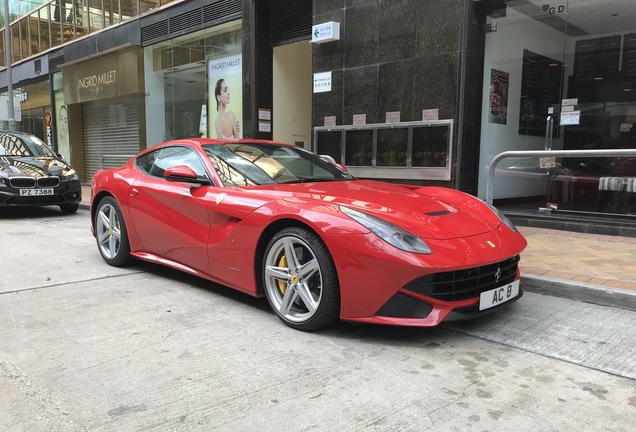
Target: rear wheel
x,y
111,234
300,280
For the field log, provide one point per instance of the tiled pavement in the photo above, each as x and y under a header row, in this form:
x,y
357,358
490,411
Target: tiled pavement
x,y
601,260
589,267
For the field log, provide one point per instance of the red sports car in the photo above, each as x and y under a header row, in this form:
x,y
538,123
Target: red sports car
x,y
275,220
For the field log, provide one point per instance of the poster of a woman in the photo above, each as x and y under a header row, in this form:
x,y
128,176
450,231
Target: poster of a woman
x,y
62,126
225,122
226,98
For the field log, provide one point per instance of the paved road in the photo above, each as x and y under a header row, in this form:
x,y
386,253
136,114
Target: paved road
x,y
87,347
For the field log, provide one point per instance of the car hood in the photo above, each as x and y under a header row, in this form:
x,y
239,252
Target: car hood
x,y
11,166
428,212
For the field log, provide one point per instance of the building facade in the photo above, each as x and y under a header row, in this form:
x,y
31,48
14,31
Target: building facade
x,y
414,91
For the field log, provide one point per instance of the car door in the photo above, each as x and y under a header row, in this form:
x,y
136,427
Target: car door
x,y
172,218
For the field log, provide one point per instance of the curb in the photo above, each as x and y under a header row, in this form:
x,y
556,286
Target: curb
x,y
594,294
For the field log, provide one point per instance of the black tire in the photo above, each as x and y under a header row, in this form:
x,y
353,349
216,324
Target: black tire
x,y
69,208
111,234
310,281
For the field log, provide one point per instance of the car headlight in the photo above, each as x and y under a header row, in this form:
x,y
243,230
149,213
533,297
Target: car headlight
x,y
503,217
71,175
391,234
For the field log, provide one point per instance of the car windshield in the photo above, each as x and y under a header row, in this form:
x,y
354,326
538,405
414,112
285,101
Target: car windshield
x,y
17,144
250,164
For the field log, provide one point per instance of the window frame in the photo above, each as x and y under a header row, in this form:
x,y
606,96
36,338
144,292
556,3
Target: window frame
x,y
374,170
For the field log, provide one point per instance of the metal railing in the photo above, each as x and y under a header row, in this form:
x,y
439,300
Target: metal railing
x,y
113,156
547,153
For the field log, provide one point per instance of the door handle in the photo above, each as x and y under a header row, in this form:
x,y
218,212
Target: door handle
x,y
133,192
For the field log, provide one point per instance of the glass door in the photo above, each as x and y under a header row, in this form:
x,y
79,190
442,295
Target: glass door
x,y
560,75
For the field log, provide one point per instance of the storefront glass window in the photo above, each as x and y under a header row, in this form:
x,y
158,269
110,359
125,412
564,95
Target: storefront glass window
x,y
31,103
330,144
359,148
187,76
430,145
392,147
572,66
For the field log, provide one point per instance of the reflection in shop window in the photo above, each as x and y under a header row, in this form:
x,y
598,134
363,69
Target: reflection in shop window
x,y
430,146
359,148
392,147
330,143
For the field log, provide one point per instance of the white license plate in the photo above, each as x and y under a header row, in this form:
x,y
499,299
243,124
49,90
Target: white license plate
x,y
36,192
497,296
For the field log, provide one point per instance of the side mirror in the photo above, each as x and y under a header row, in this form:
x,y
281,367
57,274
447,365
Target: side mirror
x,y
182,173
60,157
331,160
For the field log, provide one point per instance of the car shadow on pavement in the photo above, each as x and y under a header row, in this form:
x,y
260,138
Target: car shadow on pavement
x,y
32,212
384,335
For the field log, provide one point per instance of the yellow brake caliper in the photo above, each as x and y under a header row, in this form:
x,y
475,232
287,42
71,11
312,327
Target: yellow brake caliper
x,y
282,285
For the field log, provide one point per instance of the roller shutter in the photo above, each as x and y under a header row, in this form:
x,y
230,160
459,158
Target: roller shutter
x,y
111,127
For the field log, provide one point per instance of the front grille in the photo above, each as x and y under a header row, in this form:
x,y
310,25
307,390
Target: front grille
x,y
48,181
465,284
22,182
30,182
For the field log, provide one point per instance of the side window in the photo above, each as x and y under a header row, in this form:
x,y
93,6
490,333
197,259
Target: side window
x,y
145,162
155,163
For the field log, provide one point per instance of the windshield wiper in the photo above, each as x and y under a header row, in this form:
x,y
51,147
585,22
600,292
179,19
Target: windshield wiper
x,y
314,180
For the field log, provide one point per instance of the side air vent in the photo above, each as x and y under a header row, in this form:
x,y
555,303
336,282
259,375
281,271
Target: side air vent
x,y
439,213
198,18
222,10
154,31
291,21
55,63
185,21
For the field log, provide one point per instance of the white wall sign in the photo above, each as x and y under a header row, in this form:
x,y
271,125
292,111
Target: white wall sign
x,y
570,118
264,126
264,114
330,121
565,102
325,32
359,119
430,114
322,82
393,117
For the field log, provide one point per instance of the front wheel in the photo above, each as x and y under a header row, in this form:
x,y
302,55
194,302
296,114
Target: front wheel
x,y
300,280
111,234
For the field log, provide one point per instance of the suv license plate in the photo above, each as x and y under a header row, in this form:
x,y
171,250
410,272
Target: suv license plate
x,y
36,192
497,296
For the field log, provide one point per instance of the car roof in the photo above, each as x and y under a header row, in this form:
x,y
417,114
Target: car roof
x,y
198,142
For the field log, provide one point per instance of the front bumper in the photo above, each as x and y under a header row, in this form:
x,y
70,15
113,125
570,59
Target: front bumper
x,y
382,285
67,193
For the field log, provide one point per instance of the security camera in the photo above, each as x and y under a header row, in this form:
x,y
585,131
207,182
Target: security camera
x,y
545,7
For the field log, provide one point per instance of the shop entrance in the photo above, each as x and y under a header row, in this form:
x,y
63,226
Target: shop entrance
x,y
292,92
560,75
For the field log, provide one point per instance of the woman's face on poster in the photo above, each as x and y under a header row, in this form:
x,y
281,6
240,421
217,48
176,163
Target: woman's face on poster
x,y
224,97
63,122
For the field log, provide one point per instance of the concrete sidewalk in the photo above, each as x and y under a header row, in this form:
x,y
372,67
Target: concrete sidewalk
x,y
593,268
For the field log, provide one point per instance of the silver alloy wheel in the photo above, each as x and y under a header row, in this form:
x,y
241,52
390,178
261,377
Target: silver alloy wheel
x,y
108,231
293,279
